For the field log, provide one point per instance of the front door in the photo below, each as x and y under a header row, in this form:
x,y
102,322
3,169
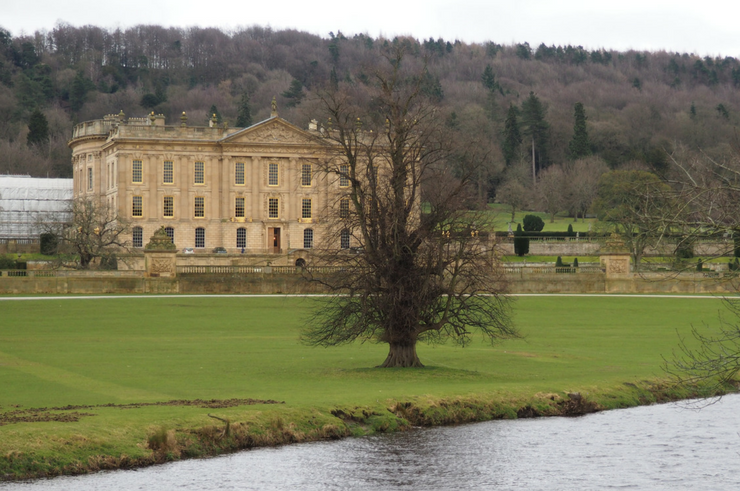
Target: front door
x,y
273,237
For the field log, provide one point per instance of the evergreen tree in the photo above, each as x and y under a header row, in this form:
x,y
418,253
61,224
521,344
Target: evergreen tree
x,y
537,129
294,94
489,81
521,243
78,93
244,115
214,111
38,128
333,79
512,135
579,145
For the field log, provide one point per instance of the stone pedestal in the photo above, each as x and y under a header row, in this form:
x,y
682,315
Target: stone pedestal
x,y
615,257
160,255
159,263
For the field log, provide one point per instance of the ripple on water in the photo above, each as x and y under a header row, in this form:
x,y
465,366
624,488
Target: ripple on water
x,y
667,446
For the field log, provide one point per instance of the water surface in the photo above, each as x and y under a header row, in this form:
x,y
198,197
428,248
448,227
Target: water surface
x,y
670,446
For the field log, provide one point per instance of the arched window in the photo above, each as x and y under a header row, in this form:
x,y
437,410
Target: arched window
x,y
170,233
344,239
200,237
300,262
308,238
241,237
138,236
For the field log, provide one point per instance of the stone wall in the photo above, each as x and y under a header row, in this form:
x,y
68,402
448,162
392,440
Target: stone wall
x,y
266,283
582,247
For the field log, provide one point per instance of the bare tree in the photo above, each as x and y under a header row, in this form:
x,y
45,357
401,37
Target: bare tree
x,y
423,271
634,204
712,362
515,190
551,188
581,181
95,232
704,201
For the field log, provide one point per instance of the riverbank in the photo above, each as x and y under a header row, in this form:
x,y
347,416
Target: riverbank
x,y
102,376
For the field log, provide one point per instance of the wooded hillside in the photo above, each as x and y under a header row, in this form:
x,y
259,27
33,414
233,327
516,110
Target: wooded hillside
x,y
637,105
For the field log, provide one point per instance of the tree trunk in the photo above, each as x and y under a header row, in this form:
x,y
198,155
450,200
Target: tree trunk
x,y
534,168
402,355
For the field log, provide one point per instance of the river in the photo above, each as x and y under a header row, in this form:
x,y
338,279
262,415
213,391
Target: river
x,y
670,446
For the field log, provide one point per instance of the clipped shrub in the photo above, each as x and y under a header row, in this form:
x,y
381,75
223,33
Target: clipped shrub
x,y
559,262
570,228
699,266
109,262
7,262
48,243
684,250
736,239
533,223
575,262
734,265
521,244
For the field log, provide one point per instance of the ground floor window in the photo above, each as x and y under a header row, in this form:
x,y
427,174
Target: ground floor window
x,y
200,237
241,238
170,233
138,237
308,238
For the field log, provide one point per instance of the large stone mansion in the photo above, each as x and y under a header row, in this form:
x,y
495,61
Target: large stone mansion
x,y
253,190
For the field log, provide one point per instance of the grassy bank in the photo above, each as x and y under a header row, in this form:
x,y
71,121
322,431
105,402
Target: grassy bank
x,y
109,383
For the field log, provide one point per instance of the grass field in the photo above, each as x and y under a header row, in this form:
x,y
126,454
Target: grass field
x,y
92,352
501,215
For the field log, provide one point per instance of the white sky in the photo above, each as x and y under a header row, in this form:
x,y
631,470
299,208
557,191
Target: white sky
x,y
703,27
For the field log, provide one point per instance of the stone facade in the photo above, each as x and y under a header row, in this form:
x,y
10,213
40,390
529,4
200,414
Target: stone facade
x,y
253,190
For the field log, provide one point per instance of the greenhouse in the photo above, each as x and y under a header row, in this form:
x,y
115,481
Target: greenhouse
x,y
27,202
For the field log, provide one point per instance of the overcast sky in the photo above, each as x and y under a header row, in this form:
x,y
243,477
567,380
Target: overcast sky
x,y
703,27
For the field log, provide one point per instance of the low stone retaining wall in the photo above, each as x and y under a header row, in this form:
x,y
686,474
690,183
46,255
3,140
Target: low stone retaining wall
x,y
275,283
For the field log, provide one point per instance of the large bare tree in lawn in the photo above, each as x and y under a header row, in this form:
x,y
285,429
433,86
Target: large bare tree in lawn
x,y
416,261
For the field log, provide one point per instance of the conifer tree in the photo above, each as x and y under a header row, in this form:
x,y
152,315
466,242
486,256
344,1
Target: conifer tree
x,y
512,135
244,115
294,94
38,128
537,129
78,92
214,111
579,145
489,81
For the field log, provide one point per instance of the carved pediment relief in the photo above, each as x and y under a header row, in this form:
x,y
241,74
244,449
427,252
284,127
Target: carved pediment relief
x,y
271,132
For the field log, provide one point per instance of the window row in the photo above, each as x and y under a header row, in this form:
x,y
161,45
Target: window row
x,y
200,237
199,207
199,175
241,237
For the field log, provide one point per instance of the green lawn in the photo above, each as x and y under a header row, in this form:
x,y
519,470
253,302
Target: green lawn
x,y
502,216
57,352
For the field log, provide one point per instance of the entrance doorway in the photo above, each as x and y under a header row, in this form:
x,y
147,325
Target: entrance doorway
x,y
273,240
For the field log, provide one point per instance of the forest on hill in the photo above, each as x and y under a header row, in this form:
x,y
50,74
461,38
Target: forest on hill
x,y
587,111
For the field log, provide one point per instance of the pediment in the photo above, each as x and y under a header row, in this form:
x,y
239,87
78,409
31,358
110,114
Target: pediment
x,y
274,131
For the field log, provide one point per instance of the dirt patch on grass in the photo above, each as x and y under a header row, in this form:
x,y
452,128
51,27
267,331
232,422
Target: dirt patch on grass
x,y
33,416
71,414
